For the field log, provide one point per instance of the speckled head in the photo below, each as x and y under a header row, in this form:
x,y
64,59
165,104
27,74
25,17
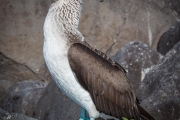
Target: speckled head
x,y
64,16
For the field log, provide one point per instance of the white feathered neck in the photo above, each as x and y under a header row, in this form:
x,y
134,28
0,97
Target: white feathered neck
x,y
62,21
60,31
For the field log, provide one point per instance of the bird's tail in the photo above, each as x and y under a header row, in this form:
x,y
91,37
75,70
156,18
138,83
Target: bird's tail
x,y
144,114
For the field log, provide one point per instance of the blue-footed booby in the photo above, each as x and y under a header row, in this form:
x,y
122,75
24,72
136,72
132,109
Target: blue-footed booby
x,y
86,75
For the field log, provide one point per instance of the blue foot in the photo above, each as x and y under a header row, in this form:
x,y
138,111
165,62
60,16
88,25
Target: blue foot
x,y
83,115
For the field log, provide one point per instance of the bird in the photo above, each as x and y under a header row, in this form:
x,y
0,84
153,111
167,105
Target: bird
x,y
84,74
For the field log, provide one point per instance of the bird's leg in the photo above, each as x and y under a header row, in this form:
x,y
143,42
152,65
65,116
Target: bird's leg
x,y
93,113
106,117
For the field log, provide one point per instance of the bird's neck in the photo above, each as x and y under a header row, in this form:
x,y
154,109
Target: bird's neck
x,y
61,23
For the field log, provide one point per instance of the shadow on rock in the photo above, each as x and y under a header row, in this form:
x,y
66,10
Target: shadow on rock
x,y
13,116
23,97
169,39
54,105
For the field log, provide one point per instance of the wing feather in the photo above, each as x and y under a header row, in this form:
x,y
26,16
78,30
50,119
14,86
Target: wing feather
x,y
105,80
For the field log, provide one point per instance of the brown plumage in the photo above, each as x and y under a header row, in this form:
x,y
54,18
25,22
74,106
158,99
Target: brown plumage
x,y
106,81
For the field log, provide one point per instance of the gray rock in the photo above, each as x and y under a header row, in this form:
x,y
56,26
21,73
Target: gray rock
x,y
174,6
2,92
13,116
10,73
160,90
54,105
134,58
23,97
169,39
4,88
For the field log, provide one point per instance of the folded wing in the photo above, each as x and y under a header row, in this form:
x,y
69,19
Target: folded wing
x,y
104,80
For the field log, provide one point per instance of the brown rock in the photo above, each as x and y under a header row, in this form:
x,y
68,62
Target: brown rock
x,y
107,25
113,24
13,71
21,36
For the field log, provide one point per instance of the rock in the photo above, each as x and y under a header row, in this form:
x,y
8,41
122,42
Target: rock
x,y
174,6
134,58
4,88
13,71
43,73
22,36
54,105
2,92
111,25
10,73
13,116
159,92
169,39
23,97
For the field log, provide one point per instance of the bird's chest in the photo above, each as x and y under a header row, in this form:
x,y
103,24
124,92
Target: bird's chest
x,y
57,63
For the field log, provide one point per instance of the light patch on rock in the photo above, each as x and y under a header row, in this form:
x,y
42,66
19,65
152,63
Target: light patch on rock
x,y
147,70
149,29
142,75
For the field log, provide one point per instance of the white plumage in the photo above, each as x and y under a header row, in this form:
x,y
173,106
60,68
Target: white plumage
x,y
55,55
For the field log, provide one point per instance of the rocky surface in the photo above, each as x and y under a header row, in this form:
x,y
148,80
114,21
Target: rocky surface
x,y
135,57
23,97
10,73
21,36
54,105
169,39
4,89
13,71
13,116
111,25
159,92
174,6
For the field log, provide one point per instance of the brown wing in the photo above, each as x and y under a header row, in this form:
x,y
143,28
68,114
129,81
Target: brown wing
x,y
105,80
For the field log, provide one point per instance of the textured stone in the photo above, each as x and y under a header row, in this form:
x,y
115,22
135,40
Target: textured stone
x,y
23,97
13,71
13,116
2,93
169,39
113,23
55,105
4,88
21,36
134,58
174,7
106,24
159,92
10,73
